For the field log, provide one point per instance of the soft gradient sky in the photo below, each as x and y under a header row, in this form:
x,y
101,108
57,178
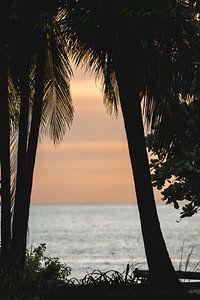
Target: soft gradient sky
x,y
92,163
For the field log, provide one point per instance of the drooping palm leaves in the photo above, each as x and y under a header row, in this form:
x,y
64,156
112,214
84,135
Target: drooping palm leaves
x,y
58,112
177,52
115,38
147,49
168,36
39,93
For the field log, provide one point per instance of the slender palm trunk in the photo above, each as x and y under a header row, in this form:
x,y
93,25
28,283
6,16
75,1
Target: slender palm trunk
x,y
21,212
17,226
5,162
33,140
160,266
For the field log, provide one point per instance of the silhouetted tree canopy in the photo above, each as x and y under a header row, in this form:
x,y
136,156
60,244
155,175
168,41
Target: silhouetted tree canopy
x,y
178,177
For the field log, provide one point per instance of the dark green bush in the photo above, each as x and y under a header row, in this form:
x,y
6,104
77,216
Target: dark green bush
x,y
40,276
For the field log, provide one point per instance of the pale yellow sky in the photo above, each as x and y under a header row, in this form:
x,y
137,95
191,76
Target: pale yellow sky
x,y
92,163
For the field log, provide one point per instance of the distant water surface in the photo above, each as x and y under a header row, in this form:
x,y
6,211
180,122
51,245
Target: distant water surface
x,y
105,237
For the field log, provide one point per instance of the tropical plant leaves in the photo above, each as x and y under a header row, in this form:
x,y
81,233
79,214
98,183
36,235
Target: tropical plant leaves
x,y
58,111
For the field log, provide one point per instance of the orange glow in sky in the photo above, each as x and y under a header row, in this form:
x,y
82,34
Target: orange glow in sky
x,y
92,162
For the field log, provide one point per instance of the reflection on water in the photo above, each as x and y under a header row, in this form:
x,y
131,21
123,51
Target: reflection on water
x,y
105,237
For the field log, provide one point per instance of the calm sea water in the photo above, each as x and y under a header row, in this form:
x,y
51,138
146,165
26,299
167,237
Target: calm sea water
x,y
105,237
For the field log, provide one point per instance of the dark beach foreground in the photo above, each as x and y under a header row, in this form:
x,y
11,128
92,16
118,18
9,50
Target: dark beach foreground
x,y
101,287
139,291
115,285
45,278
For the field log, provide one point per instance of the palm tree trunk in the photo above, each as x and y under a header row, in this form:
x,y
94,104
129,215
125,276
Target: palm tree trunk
x,y
5,162
160,266
33,140
21,180
20,228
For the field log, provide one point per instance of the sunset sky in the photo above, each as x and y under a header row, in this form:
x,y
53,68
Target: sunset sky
x,y
92,162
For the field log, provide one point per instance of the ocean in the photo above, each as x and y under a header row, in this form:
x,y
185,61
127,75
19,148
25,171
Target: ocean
x,y
106,237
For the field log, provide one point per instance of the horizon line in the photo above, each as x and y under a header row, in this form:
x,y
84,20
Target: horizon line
x,y
92,203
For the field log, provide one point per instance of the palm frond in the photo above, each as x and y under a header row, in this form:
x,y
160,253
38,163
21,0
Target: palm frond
x,y
84,39
100,64
173,57
14,103
161,40
57,109
14,107
13,166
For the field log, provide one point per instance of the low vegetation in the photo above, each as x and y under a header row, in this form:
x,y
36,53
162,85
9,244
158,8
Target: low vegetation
x,y
46,278
39,278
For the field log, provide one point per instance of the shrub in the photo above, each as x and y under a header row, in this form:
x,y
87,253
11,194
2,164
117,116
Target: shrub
x,y
40,276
